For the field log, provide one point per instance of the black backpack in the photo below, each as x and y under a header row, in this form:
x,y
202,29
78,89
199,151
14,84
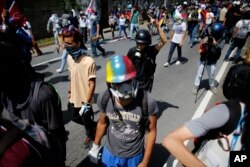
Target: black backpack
x,y
37,153
234,117
142,100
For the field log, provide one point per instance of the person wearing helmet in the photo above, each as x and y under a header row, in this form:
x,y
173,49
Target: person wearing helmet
x,y
217,32
209,54
177,38
129,114
143,55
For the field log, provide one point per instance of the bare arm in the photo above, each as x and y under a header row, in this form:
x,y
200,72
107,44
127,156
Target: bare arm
x,y
174,143
150,141
91,90
101,128
163,37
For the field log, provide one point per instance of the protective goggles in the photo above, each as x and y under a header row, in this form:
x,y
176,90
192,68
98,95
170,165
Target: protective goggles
x,y
125,90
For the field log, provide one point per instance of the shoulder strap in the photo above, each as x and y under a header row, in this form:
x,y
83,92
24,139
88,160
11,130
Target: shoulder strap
x,y
234,117
34,97
143,100
105,100
235,114
10,136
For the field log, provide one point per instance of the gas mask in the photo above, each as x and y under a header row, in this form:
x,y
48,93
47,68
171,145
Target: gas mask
x,y
125,90
138,52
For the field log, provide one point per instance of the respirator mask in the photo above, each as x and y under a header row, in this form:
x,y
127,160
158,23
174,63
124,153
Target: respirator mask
x,y
138,52
125,90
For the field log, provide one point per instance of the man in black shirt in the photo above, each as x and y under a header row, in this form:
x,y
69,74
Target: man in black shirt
x,y
143,55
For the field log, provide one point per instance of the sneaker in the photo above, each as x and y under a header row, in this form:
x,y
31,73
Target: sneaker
x,y
195,90
191,45
87,142
59,70
178,62
213,90
166,64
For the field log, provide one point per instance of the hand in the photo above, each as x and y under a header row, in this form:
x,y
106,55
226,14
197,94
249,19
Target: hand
x,y
85,108
180,44
48,31
142,164
94,153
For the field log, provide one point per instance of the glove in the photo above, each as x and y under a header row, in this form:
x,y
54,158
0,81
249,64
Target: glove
x,y
85,108
94,153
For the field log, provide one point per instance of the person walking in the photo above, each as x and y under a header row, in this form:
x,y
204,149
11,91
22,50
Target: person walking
x,y
122,26
54,21
112,24
134,21
177,38
95,36
28,29
81,89
240,34
128,116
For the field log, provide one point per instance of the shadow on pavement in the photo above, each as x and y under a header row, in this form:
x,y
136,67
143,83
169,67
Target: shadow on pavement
x,y
47,74
41,67
87,163
159,156
58,79
162,105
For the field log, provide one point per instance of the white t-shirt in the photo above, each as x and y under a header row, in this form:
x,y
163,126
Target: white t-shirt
x,y
209,17
122,21
83,22
239,24
178,28
26,27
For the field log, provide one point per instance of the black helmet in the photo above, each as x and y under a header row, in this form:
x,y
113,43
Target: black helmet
x,y
217,30
143,37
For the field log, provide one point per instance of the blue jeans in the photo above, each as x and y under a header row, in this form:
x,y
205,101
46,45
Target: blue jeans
x,y
236,43
133,27
64,57
96,44
171,51
193,34
109,160
210,72
122,28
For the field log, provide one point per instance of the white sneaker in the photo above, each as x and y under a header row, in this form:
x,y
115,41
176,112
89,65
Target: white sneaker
x,y
166,64
178,62
59,70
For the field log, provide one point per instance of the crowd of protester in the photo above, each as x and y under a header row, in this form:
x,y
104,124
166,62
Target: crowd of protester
x,y
213,25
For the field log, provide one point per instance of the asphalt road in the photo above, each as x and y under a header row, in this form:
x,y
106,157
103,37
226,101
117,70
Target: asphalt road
x,y
172,89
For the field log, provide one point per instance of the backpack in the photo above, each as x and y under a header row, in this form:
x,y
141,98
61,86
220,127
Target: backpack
x,y
243,30
145,69
142,99
17,149
36,137
206,147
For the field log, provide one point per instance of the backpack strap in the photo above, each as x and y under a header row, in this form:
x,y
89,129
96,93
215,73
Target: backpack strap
x,y
34,102
105,100
10,136
234,117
